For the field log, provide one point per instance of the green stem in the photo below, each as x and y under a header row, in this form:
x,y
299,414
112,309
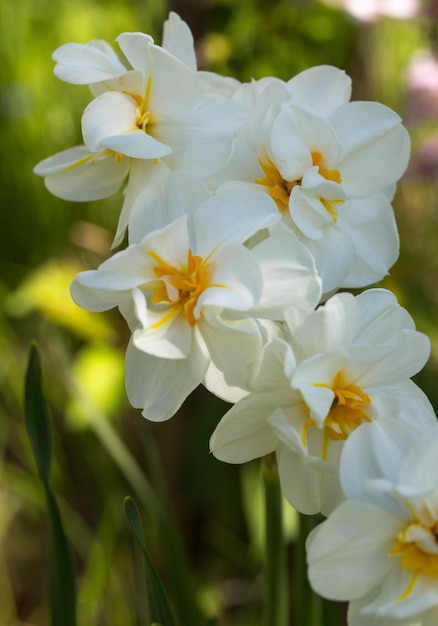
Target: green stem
x,y
275,548
309,608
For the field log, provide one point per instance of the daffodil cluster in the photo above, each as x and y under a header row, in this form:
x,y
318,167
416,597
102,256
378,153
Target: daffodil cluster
x,y
248,207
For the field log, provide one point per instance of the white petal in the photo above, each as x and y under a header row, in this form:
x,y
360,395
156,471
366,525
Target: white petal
x,y
143,174
314,379
300,483
369,223
80,175
334,255
137,144
232,217
289,145
376,451
289,277
233,343
157,205
165,334
380,316
235,282
111,121
401,358
418,467
376,146
322,88
274,367
201,139
86,292
111,113
175,90
160,386
347,554
243,433
387,603
136,48
295,134
309,214
178,40
330,327
215,382
84,64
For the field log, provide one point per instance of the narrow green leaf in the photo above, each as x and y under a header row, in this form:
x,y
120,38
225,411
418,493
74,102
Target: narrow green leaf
x,y
159,610
62,582
36,415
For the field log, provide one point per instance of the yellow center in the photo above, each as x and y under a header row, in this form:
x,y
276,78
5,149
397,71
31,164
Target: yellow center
x,y
345,415
143,115
417,545
190,281
280,189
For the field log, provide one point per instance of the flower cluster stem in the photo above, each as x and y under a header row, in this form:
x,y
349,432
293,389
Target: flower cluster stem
x,y
309,607
277,605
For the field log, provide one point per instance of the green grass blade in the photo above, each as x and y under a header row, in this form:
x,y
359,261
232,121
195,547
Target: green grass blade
x,y
36,415
62,582
159,610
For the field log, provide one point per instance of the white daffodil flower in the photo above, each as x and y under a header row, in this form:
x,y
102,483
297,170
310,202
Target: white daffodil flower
x,y
160,111
189,287
379,548
343,365
330,166
154,116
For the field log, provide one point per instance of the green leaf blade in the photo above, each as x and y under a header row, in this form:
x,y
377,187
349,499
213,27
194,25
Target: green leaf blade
x,y
159,609
36,416
62,581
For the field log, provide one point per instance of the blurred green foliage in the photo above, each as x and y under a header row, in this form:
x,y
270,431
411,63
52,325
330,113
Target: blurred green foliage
x,y
102,447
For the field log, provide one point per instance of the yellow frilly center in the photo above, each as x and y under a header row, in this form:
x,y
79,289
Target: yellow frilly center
x,y
414,545
280,189
190,281
345,415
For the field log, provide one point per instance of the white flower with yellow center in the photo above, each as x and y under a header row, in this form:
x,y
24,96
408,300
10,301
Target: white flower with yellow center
x,y
328,176
379,548
190,289
330,169
342,366
147,119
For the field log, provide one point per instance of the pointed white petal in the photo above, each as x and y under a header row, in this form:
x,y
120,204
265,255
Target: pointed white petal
x,y
178,40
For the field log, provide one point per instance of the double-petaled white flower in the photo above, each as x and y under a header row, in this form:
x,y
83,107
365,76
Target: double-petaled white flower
x,y
148,119
379,548
330,166
191,290
341,366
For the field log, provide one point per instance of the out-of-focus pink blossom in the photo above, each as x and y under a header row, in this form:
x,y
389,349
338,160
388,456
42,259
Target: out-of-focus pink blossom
x,y
371,10
425,162
422,88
